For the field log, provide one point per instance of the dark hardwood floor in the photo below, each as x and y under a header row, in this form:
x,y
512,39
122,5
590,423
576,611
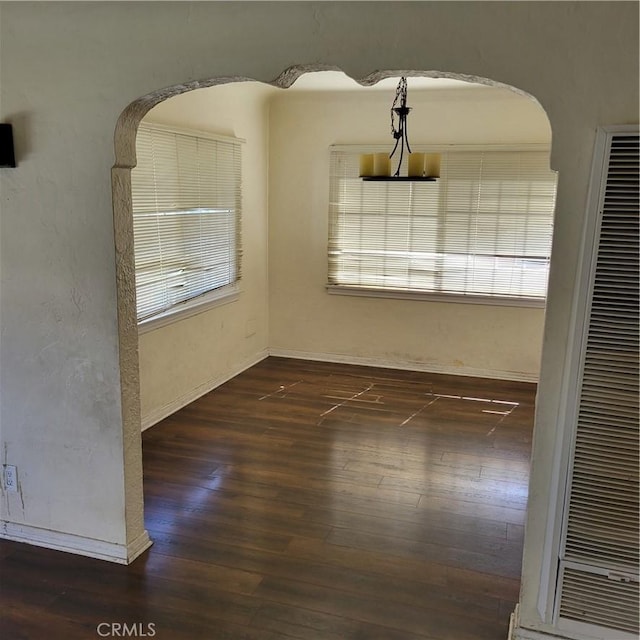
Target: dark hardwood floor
x,y
312,501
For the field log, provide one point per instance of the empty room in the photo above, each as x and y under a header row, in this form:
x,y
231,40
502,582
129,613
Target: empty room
x,y
332,329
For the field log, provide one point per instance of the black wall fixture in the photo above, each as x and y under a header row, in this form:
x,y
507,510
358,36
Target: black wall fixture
x,y
7,155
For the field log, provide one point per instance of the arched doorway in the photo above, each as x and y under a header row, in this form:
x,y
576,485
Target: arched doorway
x,y
128,335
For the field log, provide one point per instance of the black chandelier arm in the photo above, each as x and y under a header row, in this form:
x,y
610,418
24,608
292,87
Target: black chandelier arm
x,y
400,139
394,147
406,134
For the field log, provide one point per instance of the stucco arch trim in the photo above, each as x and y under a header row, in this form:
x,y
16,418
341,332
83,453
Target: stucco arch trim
x,y
125,160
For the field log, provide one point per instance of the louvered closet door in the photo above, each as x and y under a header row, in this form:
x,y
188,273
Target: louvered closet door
x,y
599,562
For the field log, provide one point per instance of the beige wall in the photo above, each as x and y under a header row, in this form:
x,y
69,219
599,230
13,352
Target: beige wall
x,y
305,320
68,70
180,362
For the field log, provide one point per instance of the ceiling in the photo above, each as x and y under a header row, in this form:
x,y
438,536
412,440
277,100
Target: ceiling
x,y
338,81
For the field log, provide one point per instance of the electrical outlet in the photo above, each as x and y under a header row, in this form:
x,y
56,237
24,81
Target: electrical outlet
x,y
10,478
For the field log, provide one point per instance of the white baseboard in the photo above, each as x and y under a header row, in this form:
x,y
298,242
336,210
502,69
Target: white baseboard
x,y
155,416
138,546
519,633
515,376
513,621
530,634
69,543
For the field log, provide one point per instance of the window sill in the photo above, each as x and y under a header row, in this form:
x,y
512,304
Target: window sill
x,y
190,308
499,301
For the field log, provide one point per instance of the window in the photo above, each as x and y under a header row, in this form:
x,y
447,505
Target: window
x,y
482,231
186,219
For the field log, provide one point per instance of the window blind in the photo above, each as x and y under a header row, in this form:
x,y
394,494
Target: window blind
x,y
186,216
484,228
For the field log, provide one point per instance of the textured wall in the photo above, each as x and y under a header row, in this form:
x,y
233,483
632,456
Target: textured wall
x,y
69,70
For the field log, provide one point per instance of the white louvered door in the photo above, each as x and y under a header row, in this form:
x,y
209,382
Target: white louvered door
x,y
598,574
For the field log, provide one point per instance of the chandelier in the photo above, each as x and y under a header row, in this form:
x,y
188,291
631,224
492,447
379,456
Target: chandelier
x,y
420,166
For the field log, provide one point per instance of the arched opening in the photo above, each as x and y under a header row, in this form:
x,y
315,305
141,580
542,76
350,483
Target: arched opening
x,y
125,154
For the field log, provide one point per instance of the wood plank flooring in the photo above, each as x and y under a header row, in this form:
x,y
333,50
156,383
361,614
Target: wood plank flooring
x,y
309,501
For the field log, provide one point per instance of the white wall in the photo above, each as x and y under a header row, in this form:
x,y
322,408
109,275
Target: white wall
x,y
495,341
68,70
182,361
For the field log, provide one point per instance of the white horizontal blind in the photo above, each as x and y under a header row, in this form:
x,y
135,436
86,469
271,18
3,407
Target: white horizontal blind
x,y
484,228
600,557
186,217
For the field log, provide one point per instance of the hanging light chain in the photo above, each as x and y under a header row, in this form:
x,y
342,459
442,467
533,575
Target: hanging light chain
x,y
401,111
401,96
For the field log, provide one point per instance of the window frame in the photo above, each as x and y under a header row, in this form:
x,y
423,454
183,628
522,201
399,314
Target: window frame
x,y
214,297
435,296
183,310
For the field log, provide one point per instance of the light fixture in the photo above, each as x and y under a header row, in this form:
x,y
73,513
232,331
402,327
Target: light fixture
x,y
420,166
7,154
